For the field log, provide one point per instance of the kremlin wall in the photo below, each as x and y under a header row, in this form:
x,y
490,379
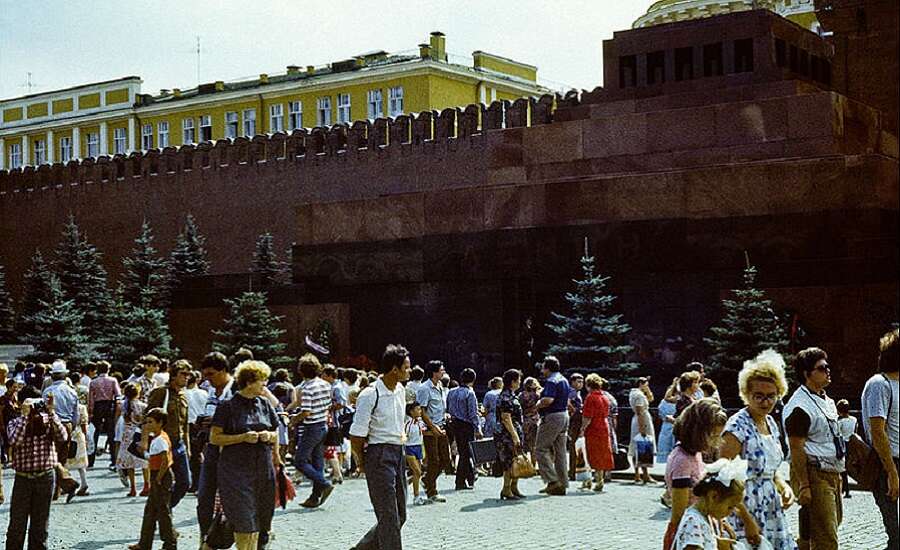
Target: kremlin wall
x,y
457,232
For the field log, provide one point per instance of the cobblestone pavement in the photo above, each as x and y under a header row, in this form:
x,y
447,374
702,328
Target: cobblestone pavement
x,y
626,516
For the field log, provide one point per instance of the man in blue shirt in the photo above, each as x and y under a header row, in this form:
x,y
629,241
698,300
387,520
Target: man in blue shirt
x,y
552,434
432,398
65,403
462,405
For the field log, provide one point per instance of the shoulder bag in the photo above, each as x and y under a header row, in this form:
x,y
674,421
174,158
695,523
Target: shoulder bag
x,y
863,463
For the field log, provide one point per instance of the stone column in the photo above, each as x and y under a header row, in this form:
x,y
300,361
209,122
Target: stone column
x,y
104,139
26,156
131,130
76,143
50,148
2,154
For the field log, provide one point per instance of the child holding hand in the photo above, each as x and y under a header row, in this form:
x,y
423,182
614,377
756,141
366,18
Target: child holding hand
x,y
413,448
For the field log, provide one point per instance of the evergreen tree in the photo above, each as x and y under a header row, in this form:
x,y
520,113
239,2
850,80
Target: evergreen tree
x,y
140,329
7,314
266,263
590,335
749,326
188,258
251,325
56,328
36,288
82,279
143,282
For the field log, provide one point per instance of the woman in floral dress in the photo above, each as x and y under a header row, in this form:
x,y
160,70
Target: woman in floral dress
x,y
528,398
508,437
132,413
753,435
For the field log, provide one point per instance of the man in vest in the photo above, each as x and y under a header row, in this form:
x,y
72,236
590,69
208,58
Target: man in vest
x,y
817,452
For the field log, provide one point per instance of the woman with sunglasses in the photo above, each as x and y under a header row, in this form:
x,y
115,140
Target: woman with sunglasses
x,y
752,434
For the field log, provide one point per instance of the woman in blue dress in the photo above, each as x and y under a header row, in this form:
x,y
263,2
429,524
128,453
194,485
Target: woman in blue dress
x,y
666,412
246,429
753,435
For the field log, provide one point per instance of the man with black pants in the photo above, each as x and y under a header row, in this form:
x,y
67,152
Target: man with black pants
x,y
215,370
881,419
462,405
377,437
433,399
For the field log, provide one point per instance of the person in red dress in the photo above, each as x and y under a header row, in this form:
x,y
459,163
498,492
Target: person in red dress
x,y
596,432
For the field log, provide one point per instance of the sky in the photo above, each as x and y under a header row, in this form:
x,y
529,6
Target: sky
x,y
63,43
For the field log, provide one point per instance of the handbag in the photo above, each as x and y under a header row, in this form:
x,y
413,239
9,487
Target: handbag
x,y
284,489
522,467
135,446
644,448
334,437
862,462
72,449
221,533
620,459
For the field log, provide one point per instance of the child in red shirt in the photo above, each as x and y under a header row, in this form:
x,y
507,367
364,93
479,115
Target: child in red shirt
x,y
158,508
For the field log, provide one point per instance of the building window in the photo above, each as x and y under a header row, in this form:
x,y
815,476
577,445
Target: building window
x,y
323,114
249,122
187,131
395,101
163,130
147,137
120,141
343,108
205,128
712,60
276,118
40,152
627,71
656,68
15,155
65,149
374,102
93,144
231,124
743,55
295,115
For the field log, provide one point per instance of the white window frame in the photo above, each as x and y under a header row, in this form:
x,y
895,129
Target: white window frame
x,y
375,103
343,108
65,149
162,129
147,137
395,101
188,131
231,124
15,155
249,117
323,111
92,140
40,152
120,141
295,115
205,128
276,118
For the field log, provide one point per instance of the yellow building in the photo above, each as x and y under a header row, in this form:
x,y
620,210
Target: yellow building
x,y
802,12
114,117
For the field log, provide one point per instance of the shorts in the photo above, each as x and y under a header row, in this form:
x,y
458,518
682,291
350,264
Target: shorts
x,y
413,450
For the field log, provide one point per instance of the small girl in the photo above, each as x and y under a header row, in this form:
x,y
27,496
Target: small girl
x,y
846,428
719,494
158,509
132,411
413,448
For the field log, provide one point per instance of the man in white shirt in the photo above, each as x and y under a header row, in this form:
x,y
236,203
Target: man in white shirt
x,y
377,437
197,399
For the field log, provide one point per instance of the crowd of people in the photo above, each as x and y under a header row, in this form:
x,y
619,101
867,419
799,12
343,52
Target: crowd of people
x,y
226,431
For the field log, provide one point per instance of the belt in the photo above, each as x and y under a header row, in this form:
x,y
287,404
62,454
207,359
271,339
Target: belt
x,y
34,475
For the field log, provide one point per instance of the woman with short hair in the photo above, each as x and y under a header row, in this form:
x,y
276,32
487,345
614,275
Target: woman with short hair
x,y
528,398
509,436
752,434
596,432
245,427
642,427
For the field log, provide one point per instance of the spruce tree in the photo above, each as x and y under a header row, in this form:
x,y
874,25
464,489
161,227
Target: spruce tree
x,y
251,325
266,263
749,325
143,282
188,258
140,329
55,329
36,288
83,280
7,314
590,335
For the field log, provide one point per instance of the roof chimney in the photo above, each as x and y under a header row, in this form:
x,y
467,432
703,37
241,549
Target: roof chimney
x,y
176,92
263,78
438,46
293,69
424,51
310,69
164,92
220,85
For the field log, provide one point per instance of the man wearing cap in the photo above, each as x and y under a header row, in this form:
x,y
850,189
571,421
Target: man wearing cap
x,y
64,400
173,400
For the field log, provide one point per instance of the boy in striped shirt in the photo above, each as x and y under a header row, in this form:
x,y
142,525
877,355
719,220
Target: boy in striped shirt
x,y
315,405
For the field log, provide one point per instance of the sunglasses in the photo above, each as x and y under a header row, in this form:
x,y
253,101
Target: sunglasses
x,y
824,368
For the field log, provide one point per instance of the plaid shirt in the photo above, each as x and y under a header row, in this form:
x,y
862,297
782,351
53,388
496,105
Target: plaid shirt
x,y
35,453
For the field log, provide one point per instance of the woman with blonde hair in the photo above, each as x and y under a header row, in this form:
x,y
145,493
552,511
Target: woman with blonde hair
x,y
752,434
642,431
246,429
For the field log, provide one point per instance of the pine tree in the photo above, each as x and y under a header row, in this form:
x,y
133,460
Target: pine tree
x,y
143,282
590,335
7,314
56,331
250,324
140,329
36,283
83,279
266,263
188,258
749,326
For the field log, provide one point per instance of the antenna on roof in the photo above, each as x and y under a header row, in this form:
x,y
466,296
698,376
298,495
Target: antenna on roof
x,y
28,84
198,60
